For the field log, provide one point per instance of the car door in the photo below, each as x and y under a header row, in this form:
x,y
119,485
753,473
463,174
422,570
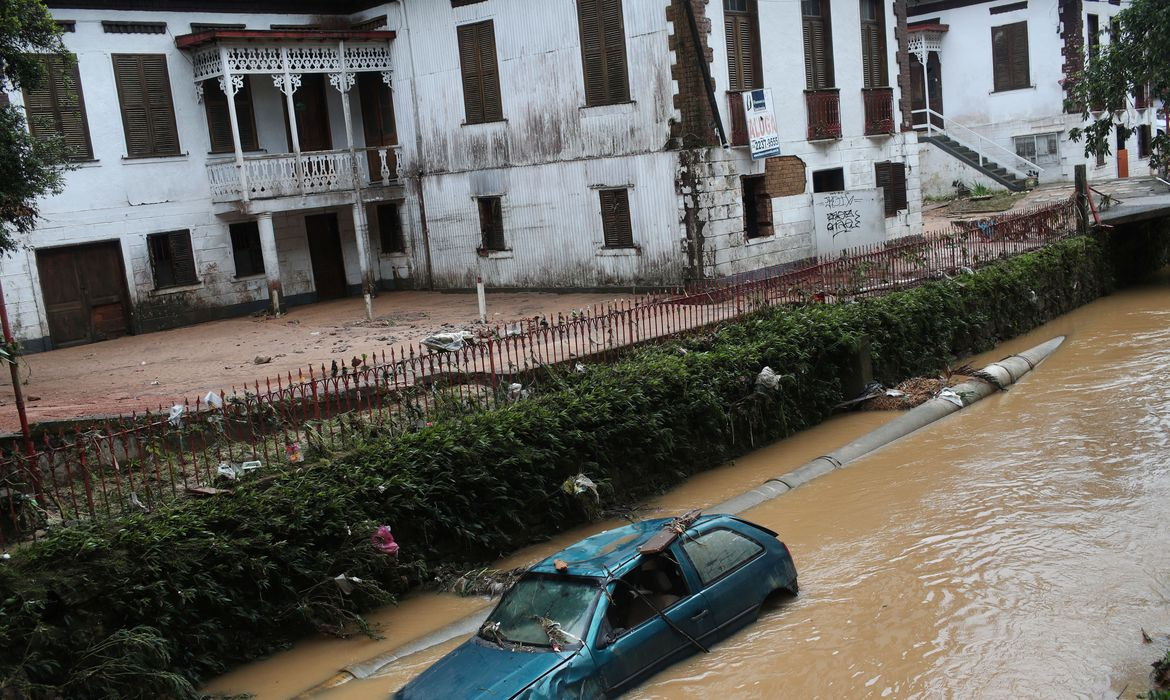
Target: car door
x,y
734,574
652,644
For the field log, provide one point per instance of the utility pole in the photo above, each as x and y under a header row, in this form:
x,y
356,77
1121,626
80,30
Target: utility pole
x,y
1082,199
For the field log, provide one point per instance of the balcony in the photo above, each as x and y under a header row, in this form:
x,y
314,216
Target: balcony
x,y
308,173
824,114
879,111
280,92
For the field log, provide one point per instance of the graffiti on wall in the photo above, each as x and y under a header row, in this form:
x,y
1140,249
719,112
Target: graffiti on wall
x,y
848,218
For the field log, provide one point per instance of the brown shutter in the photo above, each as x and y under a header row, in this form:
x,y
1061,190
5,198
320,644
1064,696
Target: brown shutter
x,y
182,257
603,52
481,79
891,177
148,114
731,33
742,32
56,107
873,48
1019,62
1009,55
615,218
219,122
818,51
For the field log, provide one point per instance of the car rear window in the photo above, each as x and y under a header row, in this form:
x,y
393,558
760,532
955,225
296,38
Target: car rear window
x,y
716,552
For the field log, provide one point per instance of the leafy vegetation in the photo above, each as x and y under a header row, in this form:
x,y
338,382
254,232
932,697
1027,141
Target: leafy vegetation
x,y
153,605
29,167
1136,61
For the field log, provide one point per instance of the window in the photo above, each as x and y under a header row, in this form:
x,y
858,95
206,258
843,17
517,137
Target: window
x,y
390,229
461,3
491,224
1009,56
481,80
56,107
603,52
873,44
246,249
757,208
219,122
200,27
656,584
615,218
891,177
719,551
818,44
171,259
741,23
1143,134
1093,29
1041,149
148,115
832,180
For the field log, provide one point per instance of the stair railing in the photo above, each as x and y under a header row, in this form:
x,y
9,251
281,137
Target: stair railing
x,y
965,136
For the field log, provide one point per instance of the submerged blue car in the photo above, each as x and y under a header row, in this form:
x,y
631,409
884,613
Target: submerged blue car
x,y
593,620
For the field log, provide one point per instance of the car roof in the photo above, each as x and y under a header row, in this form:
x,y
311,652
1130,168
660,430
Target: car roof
x,y
606,553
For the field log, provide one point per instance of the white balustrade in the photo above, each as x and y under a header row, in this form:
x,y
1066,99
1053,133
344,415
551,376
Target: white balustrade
x,y
270,176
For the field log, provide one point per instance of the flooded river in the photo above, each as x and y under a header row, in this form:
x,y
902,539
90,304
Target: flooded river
x,y
1016,549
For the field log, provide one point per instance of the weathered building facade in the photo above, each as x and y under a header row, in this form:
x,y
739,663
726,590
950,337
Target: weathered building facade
x,y
427,143
997,75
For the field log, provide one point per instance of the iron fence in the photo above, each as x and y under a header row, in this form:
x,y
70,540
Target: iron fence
x,y
200,447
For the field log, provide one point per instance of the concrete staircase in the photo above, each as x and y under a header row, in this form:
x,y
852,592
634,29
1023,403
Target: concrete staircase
x,y
969,156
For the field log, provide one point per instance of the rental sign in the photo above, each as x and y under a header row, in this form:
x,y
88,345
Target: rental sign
x,y
763,134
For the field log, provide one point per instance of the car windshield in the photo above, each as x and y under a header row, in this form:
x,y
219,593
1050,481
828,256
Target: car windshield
x,y
526,613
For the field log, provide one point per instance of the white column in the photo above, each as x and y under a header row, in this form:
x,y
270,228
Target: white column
x,y
271,263
231,84
289,83
343,81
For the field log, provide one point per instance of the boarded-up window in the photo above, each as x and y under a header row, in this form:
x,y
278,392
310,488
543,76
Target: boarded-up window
x,y
246,251
390,229
615,219
873,44
818,44
481,79
603,52
741,24
1009,56
148,114
219,122
891,177
56,107
491,224
171,259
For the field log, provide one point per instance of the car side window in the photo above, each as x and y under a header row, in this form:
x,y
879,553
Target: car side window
x,y
716,552
654,585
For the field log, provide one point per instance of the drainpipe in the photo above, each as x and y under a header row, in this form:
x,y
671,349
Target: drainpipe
x,y
1006,372
418,149
701,57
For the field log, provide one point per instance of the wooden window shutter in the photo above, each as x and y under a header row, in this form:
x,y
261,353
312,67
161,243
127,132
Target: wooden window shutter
x,y
219,122
615,219
171,259
891,177
742,31
818,50
873,47
56,107
603,52
148,114
481,79
1009,55
491,223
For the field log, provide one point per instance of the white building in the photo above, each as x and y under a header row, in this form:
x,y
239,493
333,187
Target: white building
x,y
425,143
996,77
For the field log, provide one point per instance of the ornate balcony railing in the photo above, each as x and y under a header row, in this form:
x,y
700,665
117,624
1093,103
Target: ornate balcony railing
x,y
290,175
879,110
824,114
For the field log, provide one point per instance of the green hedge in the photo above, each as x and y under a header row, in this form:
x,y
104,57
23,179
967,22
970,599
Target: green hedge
x,y
159,602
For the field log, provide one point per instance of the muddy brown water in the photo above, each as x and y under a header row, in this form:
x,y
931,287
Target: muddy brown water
x,y
1016,549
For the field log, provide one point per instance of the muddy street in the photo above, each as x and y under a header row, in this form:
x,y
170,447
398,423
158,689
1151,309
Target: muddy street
x,y
1016,549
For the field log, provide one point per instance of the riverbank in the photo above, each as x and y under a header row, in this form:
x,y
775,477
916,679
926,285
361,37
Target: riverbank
x,y
469,489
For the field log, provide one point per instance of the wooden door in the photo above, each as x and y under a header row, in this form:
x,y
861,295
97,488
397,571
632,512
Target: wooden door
x,y
325,254
312,108
85,295
377,121
918,88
